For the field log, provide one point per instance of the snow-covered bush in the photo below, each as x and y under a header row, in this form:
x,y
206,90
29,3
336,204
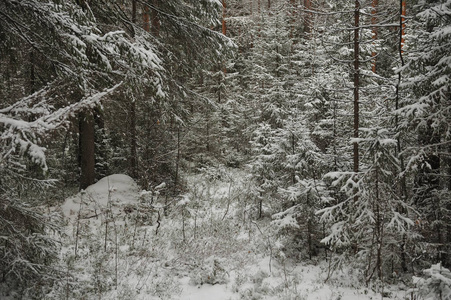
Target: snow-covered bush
x,y
210,272
436,283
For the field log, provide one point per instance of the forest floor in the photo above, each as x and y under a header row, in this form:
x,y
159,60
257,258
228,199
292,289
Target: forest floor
x,y
124,243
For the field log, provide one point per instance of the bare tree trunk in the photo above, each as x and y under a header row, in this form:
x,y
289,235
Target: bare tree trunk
x,y
308,17
146,18
133,141
177,162
155,29
134,11
292,13
133,138
356,86
87,149
374,20
403,187
403,22
32,72
224,25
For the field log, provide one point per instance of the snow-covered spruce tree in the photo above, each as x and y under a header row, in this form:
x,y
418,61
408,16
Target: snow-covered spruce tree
x,y
72,64
426,114
272,78
185,32
366,210
435,283
269,59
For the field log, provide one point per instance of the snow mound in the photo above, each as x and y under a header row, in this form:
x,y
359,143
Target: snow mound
x,y
114,190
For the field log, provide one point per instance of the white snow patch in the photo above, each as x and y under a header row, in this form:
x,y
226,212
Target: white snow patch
x,y
205,292
119,189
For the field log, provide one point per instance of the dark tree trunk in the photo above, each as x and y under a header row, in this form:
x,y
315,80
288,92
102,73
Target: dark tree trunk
x,y
403,185
134,11
374,20
356,85
308,17
155,29
32,72
224,25
87,146
146,18
133,138
133,141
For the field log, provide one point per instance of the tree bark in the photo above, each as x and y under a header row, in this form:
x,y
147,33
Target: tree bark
x,y
133,138
374,20
133,141
224,25
146,18
292,17
87,149
134,11
403,22
308,17
356,86
403,184
155,29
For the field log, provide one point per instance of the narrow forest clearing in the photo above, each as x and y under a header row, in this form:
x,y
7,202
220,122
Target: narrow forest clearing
x,y
123,243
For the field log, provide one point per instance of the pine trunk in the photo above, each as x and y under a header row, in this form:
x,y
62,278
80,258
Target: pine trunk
x,y
374,20
403,21
155,20
146,18
224,25
308,17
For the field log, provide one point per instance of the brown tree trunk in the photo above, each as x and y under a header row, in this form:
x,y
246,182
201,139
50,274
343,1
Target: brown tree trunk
x,y
87,149
146,18
403,22
374,20
134,11
308,17
224,25
155,29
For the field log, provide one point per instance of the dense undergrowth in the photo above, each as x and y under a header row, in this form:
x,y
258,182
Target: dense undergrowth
x,y
119,242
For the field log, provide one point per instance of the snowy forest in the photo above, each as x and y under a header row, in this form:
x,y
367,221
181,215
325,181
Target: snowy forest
x,y
225,149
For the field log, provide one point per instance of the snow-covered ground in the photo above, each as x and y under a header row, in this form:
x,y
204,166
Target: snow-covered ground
x,y
123,243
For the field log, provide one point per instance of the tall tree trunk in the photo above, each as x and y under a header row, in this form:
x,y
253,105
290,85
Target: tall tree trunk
x,y
133,159
32,73
224,25
403,185
155,29
134,11
146,18
86,149
308,17
177,162
356,86
403,21
374,20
